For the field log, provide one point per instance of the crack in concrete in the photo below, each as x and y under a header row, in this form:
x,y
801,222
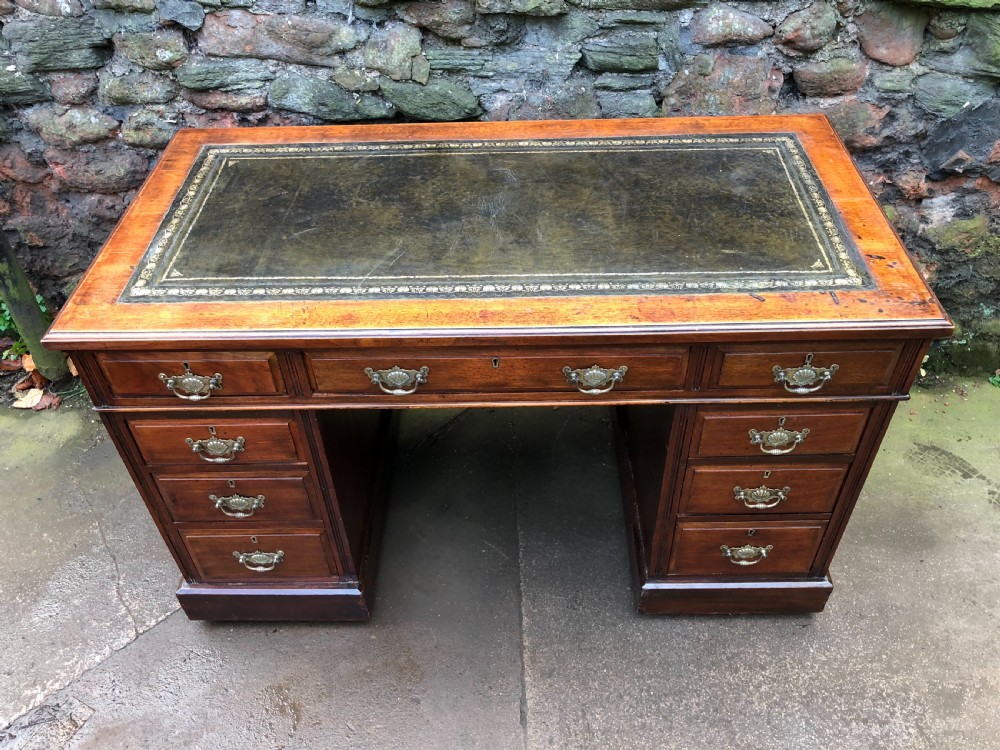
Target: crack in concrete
x,y
119,592
51,725
63,693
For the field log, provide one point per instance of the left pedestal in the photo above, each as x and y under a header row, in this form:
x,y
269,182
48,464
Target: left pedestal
x,y
270,515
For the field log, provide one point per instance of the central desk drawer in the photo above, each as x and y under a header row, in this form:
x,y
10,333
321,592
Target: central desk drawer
x,y
260,556
210,441
763,433
738,549
245,497
641,369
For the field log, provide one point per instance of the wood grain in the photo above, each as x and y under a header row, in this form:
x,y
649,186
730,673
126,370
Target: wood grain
x,y
306,555
811,488
94,319
698,547
725,432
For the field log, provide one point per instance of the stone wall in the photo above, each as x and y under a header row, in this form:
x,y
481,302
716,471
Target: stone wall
x,y
93,89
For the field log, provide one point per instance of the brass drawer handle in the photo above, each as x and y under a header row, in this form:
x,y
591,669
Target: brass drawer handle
x,y
748,554
761,497
773,442
238,506
591,380
259,561
396,381
191,387
800,379
216,450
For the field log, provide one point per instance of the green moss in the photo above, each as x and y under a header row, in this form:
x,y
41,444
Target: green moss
x,y
975,357
968,235
990,327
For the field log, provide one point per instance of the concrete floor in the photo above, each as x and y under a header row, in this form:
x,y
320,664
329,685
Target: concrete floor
x,y
504,618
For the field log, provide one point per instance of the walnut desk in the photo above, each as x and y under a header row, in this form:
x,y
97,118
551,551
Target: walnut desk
x,y
273,295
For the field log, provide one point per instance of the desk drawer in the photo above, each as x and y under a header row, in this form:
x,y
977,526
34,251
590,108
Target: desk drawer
x,y
192,376
642,369
749,489
764,549
205,442
766,434
244,497
803,368
284,556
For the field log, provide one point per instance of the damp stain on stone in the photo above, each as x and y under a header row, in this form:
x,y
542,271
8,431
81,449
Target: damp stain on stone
x,y
939,462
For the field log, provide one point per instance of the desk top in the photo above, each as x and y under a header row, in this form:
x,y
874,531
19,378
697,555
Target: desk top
x,y
477,229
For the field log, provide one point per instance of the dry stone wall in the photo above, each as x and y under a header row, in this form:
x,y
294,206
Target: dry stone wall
x,y
92,90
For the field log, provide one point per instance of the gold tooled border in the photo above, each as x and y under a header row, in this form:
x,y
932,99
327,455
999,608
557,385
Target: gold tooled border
x,y
843,264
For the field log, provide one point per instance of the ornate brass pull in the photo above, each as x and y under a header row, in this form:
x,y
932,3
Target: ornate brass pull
x,y
396,381
800,379
592,380
748,554
216,450
773,442
259,561
238,506
761,497
191,387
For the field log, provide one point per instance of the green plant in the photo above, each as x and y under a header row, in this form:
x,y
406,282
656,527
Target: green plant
x,y
8,329
994,379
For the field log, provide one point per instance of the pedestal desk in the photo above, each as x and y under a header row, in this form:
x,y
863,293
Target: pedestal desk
x,y
727,285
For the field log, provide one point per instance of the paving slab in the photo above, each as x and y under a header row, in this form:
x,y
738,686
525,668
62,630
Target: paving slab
x,y
439,667
906,654
85,571
504,616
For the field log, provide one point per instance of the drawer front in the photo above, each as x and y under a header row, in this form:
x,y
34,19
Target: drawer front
x,y
768,434
235,442
773,548
804,368
208,376
245,497
661,370
289,555
722,490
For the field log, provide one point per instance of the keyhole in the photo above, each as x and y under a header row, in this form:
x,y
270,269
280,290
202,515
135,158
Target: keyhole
x,y
767,474
495,362
253,540
751,532
232,484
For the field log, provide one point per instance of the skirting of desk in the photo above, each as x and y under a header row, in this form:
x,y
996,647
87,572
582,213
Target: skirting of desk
x,y
733,598
266,604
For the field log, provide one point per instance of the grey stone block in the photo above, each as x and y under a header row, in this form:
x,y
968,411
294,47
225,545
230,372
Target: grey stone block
x,y
325,100
63,44
437,100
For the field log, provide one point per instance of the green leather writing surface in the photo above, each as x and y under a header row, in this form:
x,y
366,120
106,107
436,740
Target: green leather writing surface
x,y
651,215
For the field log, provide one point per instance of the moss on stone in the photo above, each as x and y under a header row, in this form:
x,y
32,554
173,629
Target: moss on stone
x,y
438,100
967,235
978,356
